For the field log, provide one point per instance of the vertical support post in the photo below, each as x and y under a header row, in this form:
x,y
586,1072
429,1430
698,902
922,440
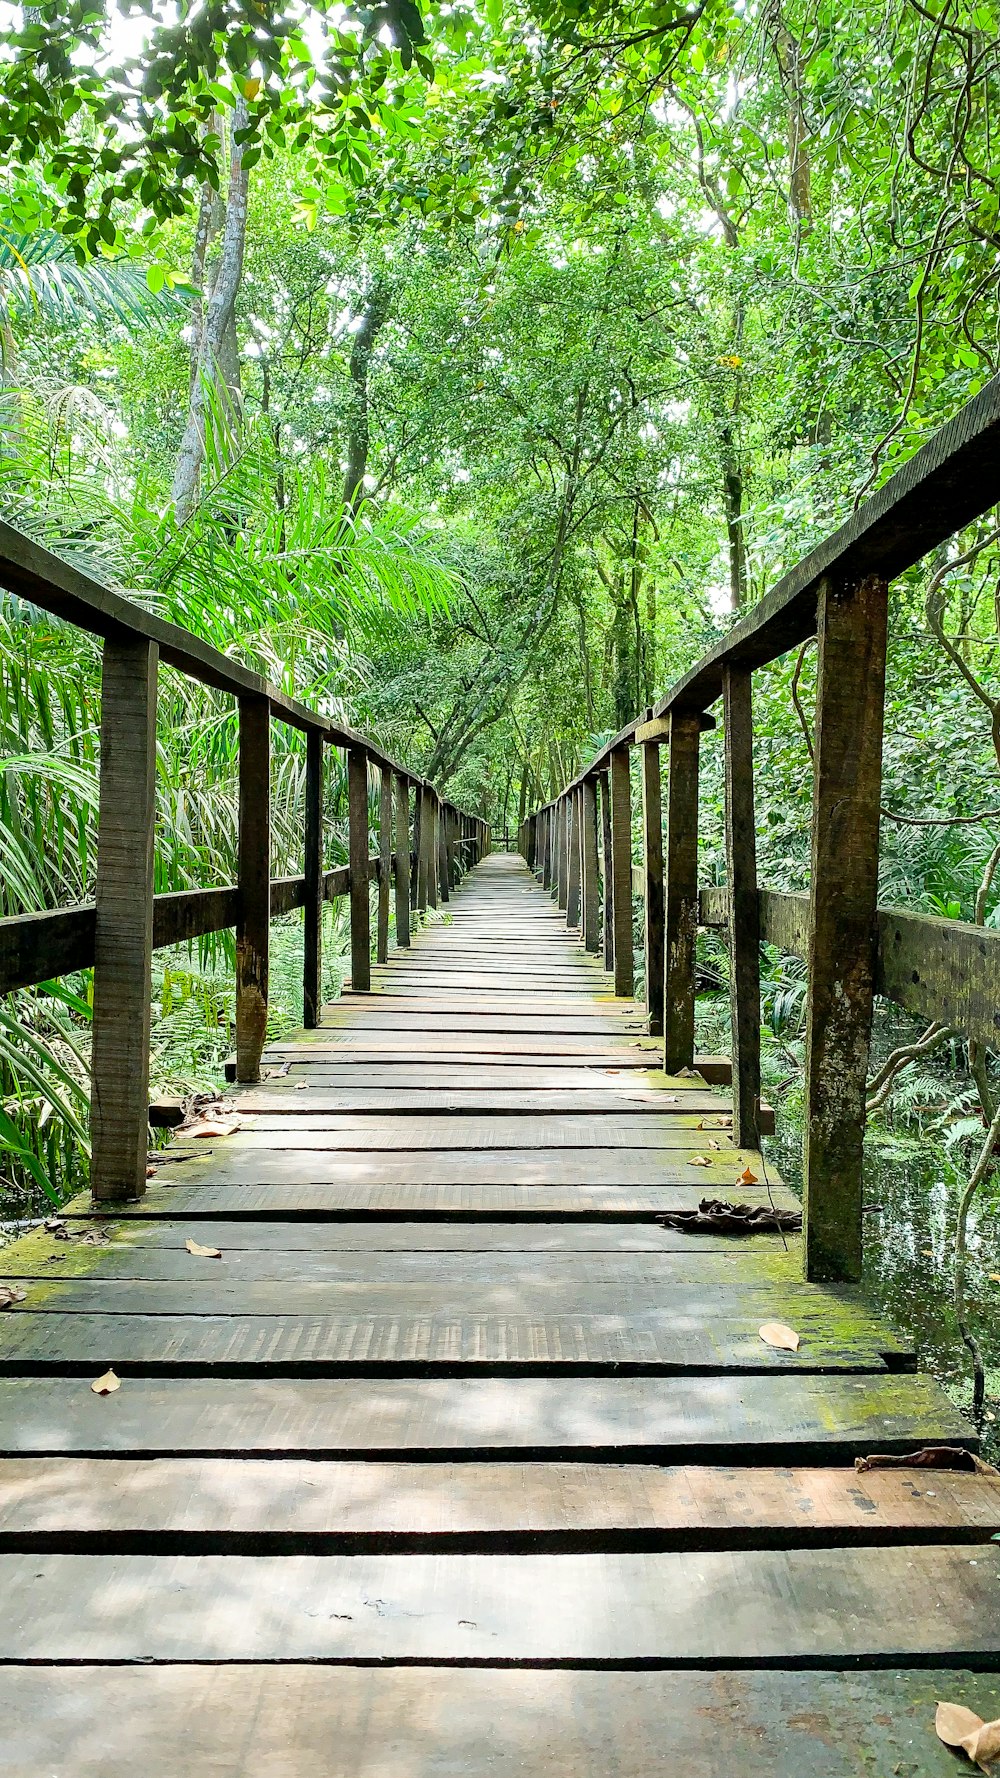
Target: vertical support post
x,y
422,826
357,804
312,948
530,841
744,909
588,851
573,861
607,873
653,897
847,783
402,863
384,864
432,848
547,851
119,1114
562,886
621,869
442,852
252,931
681,919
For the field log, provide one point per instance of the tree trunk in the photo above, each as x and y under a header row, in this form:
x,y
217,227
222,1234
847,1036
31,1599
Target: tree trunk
x,y
217,351
373,318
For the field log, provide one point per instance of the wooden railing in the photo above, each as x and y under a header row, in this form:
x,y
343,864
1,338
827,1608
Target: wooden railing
x,y
419,857
942,970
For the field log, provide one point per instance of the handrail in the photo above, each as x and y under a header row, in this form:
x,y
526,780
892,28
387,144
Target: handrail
x,y
838,593
423,854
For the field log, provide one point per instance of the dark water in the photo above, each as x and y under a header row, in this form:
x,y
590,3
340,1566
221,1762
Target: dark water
x,y
913,1188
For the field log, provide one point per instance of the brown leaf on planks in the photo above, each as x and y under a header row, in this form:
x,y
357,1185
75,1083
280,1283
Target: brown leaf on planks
x,y
10,1296
216,1126
700,1160
931,1457
107,1384
775,1333
747,1177
958,1727
201,1252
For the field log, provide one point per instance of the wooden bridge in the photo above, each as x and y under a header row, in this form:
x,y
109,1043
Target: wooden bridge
x,y
410,1371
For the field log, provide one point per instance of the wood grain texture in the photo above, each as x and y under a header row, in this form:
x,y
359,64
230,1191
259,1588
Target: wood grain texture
x,y
743,906
621,870
653,897
312,953
681,891
357,792
254,872
401,862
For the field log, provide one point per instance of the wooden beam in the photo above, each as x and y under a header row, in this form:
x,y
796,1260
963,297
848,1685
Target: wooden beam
x,y
573,859
432,848
621,870
123,934
312,961
444,874
681,916
607,874
357,803
743,904
385,864
850,701
653,896
421,823
254,871
588,823
401,862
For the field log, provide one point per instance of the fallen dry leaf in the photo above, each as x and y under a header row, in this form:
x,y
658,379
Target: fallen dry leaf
x,y
9,1295
700,1160
775,1333
995,1277
107,1384
958,1727
301,1085
748,1178
212,1127
931,1457
201,1252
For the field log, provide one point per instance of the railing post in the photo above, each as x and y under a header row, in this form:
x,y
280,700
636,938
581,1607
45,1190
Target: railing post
x,y
530,841
442,852
573,860
432,848
119,1113
562,884
401,862
653,898
588,851
252,931
312,938
744,908
621,869
681,913
547,850
421,826
847,780
357,804
384,864
607,873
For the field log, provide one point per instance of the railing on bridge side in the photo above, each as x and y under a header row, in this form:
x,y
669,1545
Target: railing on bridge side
x,y
421,856
943,970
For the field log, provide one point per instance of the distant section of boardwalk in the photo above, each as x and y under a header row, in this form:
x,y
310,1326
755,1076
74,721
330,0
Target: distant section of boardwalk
x,y
452,1396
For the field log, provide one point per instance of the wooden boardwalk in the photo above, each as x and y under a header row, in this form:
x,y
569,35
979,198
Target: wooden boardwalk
x,y
452,1397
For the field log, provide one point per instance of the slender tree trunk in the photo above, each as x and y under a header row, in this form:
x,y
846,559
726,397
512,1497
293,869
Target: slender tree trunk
x,y
373,318
217,343
789,55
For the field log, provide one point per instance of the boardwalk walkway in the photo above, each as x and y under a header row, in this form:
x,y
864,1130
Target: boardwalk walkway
x,y
452,1396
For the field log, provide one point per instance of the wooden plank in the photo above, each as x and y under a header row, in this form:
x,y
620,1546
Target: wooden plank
x,y
220,1504
621,870
312,965
124,920
327,1128
744,921
850,701
512,1723
681,892
607,1180
797,1418
254,872
357,792
653,897
401,862
315,1101
326,1068
814,1607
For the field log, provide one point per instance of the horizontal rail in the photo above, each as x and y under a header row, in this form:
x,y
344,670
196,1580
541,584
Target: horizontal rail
x,y
38,947
946,971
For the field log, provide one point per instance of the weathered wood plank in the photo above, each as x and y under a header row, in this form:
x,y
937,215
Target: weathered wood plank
x,y
813,1607
512,1723
850,701
797,1418
124,919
